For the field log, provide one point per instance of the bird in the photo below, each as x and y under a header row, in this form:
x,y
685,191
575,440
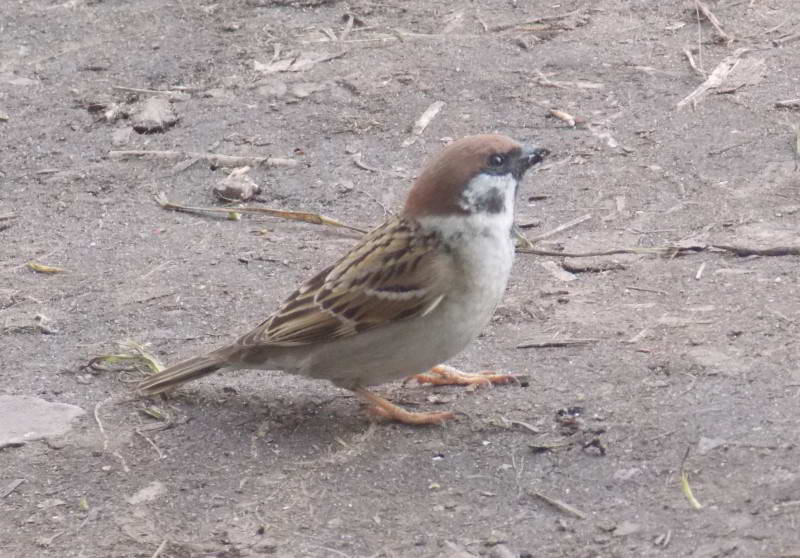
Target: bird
x,y
411,294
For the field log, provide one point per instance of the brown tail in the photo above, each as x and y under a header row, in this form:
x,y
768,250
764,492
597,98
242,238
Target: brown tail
x,y
181,373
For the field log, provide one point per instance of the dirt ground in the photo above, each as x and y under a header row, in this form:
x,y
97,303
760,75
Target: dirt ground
x,y
688,362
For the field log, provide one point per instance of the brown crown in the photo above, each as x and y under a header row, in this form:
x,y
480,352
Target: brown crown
x,y
438,188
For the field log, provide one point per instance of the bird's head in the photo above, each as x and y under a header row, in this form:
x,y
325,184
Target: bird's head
x,y
476,174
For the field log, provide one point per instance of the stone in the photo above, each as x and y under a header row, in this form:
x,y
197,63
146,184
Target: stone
x,y
24,418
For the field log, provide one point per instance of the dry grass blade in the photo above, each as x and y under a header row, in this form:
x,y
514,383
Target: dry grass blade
x,y
132,353
685,486
42,268
304,216
687,491
522,240
154,413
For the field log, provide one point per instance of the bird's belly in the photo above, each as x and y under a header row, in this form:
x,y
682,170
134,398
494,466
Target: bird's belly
x,y
399,350
392,352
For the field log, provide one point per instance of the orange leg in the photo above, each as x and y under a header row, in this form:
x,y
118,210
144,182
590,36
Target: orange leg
x,y
388,410
444,375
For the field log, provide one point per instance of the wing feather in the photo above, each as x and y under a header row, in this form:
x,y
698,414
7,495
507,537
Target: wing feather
x,y
394,273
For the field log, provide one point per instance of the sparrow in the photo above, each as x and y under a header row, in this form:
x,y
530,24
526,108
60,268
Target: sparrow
x,y
410,295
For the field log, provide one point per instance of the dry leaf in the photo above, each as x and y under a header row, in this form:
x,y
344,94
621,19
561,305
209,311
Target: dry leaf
x,y
41,268
687,491
237,186
156,115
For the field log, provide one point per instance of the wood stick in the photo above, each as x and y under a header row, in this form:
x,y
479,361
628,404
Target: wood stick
x,y
304,216
561,228
559,505
216,159
535,344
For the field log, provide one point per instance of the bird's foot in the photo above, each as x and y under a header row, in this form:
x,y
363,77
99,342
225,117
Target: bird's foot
x,y
444,375
388,410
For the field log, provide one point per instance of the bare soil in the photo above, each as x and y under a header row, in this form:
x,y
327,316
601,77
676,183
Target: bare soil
x,y
694,353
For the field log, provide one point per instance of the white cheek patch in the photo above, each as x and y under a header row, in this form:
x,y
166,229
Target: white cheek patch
x,y
489,193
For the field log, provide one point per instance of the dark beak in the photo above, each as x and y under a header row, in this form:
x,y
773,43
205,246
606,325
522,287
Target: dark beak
x,y
530,156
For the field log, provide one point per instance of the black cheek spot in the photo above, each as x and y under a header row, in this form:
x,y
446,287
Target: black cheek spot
x,y
491,202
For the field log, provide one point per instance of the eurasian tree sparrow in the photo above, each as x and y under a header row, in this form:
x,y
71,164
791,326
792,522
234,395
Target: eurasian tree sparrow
x,y
410,295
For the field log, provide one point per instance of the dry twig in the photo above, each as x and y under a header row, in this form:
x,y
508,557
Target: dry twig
x,y
545,81
177,94
615,251
151,442
160,549
295,63
215,159
561,228
559,505
543,19
741,251
545,343
304,216
701,6
692,64
100,422
791,37
717,78
796,128
423,121
12,486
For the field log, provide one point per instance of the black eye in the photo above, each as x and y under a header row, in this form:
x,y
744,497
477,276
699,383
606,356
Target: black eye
x,y
497,160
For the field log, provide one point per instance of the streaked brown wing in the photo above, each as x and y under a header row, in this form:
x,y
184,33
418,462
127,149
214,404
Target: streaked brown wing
x,y
394,273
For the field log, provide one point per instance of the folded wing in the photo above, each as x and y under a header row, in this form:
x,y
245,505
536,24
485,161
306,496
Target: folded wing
x,y
394,273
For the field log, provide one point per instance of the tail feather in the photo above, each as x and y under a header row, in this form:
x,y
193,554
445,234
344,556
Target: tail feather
x,y
180,373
